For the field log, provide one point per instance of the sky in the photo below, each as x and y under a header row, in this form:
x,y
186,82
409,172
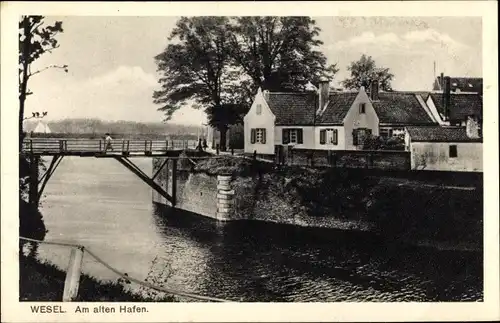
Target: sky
x,y
112,73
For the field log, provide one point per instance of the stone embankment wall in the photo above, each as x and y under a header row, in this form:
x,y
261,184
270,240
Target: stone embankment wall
x,y
397,206
229,198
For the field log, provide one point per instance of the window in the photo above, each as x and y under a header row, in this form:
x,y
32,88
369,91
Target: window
x,y
258,136
385,132
362,108
328,136
292,136
453,151
258,108
359,135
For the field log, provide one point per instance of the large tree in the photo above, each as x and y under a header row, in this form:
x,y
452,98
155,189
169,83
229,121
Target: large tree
x,y
35,39
279,53
364,71
195,70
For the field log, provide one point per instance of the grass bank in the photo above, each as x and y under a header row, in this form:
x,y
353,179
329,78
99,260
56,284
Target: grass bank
x,y
45,282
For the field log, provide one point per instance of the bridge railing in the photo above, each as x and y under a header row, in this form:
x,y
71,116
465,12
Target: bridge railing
x,y
54,145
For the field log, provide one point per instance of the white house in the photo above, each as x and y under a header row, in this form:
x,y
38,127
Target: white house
x,y
445,148
325,120
42,128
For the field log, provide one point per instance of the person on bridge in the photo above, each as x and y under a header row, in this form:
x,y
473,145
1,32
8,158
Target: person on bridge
x,y
199,147
108,140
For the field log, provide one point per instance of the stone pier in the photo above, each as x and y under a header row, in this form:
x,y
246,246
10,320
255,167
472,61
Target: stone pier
x,y
225,197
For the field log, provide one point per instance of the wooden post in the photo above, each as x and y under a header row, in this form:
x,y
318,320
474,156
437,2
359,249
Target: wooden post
x,y
174,182
73,275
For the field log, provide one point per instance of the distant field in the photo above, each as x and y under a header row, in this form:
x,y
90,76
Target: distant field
x,y
114,136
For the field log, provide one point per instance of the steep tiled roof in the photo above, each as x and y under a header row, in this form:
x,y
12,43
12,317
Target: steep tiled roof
x,y
464,84
293,108
461,105
440,134
401,108
337,108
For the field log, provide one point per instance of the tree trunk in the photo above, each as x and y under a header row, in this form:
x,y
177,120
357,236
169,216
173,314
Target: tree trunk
x,y
24,83
223,135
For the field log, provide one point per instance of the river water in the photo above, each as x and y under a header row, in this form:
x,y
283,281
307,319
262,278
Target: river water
x,y
102,205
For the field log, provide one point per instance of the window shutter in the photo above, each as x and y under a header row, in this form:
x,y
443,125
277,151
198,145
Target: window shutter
x,y
368,132
355,137
286,136
299,136
263,136
322,137
335,134
253,135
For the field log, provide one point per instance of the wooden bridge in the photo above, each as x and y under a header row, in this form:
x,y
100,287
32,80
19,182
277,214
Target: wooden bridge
x,y
98,147
120,149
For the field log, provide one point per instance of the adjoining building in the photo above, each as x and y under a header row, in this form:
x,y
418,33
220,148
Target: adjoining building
x,y
459,84
456,108
445,148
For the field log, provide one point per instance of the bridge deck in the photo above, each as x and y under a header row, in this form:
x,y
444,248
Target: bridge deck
x,y
97,147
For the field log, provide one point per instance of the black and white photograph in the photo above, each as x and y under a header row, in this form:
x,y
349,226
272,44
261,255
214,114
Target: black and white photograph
x,y
250,158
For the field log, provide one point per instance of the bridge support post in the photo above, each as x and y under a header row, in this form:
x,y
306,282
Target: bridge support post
x,y
33,180
174,182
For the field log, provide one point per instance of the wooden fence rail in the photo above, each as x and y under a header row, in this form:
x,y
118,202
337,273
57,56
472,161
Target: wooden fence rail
x,y
66,145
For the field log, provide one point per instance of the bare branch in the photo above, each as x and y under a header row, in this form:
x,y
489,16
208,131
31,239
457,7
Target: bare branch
x,y
65,67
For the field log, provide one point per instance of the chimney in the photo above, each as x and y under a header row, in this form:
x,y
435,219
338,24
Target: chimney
x,y
446,97
374,90
324,92
441,82
472,127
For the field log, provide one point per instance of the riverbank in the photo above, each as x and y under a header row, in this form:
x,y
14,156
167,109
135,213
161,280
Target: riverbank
x,y
45,282
445,213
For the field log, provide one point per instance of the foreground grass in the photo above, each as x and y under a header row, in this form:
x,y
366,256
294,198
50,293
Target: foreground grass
x,y
45,282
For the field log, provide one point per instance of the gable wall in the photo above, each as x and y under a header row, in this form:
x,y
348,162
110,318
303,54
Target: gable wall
x,y
265,120
354,120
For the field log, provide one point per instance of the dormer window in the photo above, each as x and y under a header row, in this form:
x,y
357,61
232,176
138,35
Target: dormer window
x,y
258,108
362,108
